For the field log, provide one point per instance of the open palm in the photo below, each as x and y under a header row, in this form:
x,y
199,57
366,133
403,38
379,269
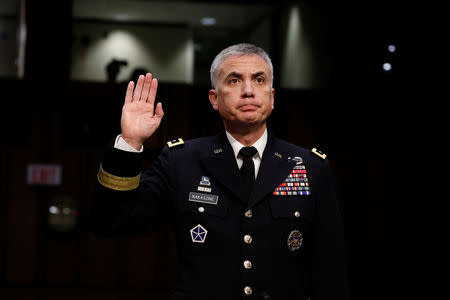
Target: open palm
x,y
140,119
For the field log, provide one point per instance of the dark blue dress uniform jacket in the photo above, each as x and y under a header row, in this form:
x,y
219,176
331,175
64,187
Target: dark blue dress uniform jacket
x,y
255,232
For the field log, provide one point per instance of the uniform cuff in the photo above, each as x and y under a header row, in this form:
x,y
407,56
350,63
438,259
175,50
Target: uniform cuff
x,y
122,145
122,163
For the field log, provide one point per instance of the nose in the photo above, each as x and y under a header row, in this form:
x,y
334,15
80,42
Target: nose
x,y
247,89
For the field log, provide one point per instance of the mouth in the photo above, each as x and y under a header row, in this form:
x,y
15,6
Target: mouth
x,y
248,107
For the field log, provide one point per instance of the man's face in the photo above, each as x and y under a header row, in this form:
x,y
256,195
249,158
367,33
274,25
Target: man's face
x,y
243,94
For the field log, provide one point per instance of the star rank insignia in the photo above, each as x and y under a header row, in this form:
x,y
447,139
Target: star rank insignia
x,y
198,234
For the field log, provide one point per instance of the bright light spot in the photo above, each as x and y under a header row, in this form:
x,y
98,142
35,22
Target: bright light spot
x,y
387,66
53,210
208,21
391,48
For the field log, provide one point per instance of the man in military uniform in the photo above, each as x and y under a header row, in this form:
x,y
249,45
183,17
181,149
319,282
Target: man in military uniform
x,y
254,216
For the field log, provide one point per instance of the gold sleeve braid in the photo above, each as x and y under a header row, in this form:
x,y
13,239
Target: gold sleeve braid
x,y
117,183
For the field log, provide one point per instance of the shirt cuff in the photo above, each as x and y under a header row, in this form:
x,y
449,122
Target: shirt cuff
x,y
122,145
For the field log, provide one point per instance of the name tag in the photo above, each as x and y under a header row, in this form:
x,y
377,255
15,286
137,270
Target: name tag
x,y
203,198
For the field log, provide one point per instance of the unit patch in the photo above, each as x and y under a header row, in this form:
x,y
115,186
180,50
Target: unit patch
x,y
198,234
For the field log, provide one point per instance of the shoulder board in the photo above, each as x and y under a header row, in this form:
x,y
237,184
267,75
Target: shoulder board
x,y
175,142
318,153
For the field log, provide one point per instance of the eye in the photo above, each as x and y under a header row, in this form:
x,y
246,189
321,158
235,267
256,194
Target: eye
x,y
234,80
260,79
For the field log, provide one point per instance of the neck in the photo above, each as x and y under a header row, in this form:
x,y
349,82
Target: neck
x,y
246,135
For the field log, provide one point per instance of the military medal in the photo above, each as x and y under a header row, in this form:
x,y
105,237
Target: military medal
x,y
198,234
297,181
295,240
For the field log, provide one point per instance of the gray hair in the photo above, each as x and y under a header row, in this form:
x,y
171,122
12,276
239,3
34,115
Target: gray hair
x,y
238,50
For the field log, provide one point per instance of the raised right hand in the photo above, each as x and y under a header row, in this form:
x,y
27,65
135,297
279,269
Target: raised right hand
x,y
139,117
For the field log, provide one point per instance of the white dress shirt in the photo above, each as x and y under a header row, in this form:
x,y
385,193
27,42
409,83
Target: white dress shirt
x,y
260,145
122,145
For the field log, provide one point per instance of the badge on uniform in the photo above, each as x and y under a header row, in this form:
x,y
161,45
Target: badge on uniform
x,y
204,185
297,181
318,153
298,160
175,142
295,240
198,234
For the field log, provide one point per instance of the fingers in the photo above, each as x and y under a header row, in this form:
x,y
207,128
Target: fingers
x,y
147,86
152,93
145,90
129,93
138,89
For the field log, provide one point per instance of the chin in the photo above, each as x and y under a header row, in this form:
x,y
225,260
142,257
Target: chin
x,y
251,121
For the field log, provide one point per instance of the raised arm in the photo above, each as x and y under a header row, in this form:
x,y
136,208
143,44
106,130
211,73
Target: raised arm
x,y
140,119
125,202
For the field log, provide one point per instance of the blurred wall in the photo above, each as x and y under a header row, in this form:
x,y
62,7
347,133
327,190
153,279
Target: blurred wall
x,y
9,42
167,52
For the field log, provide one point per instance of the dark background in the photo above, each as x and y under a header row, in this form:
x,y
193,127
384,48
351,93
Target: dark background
x,y
384,133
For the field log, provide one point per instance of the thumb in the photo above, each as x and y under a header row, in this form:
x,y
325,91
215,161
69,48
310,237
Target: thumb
x,y
159,113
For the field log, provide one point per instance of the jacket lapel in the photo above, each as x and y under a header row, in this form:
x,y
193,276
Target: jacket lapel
x,y
220,163
274,168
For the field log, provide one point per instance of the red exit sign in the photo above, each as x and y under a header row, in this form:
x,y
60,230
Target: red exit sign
x,y
44,174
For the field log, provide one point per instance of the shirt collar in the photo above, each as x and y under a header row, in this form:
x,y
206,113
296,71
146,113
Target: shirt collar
x,y
260,144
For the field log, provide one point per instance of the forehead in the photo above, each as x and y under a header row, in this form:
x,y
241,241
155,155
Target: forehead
x,y
244,63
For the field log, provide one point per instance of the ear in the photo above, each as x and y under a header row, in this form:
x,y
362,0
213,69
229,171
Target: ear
x,y
213,99
273,97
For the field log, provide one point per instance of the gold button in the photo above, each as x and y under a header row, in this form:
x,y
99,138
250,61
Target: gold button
x,y
248,290
201,209
248,214
247,264
297,214
248,239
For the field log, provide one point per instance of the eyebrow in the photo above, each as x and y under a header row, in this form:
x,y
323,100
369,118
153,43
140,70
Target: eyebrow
x,y
239,75
257,74
234,74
